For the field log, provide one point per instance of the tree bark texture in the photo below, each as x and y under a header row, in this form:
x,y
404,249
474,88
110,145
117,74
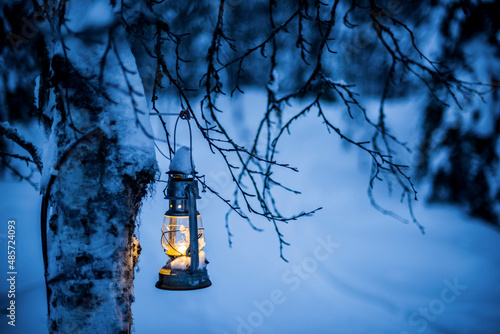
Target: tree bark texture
x,y
103,159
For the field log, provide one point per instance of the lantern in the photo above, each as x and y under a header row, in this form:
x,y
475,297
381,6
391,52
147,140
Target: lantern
x,y
182,236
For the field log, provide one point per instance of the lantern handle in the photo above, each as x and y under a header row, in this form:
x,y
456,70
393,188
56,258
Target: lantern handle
x,y
184,114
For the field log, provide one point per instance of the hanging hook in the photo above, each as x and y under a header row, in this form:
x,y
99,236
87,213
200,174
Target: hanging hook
x,y
184,114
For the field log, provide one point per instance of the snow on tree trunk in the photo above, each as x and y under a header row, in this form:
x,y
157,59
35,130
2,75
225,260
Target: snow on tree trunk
x,y
104,161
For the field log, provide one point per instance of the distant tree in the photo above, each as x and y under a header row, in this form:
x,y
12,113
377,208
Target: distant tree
x,y
83,71
460,149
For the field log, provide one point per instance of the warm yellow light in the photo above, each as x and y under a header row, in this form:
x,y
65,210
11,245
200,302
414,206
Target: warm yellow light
x,y
182,249
175,236
179,206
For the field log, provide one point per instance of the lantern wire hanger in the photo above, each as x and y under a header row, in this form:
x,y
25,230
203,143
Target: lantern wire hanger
x,y
184,114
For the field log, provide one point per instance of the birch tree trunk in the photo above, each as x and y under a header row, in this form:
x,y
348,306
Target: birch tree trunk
x,y
104,160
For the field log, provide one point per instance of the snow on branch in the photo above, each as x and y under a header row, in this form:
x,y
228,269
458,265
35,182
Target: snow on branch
x,y
7,131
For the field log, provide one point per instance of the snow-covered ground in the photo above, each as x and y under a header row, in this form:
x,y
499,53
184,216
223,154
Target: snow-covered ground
x,y
351,269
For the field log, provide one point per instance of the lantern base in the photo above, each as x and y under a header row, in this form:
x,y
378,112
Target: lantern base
x,y
182,280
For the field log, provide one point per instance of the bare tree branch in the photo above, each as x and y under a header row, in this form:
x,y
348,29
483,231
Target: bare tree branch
x,y
7,131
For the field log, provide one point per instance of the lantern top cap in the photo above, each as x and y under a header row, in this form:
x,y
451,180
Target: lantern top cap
x,y
182,162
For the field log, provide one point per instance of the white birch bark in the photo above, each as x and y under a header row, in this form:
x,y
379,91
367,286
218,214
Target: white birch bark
x,y
102,178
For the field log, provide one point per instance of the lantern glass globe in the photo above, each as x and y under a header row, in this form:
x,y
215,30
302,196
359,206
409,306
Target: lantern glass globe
x,y
175,235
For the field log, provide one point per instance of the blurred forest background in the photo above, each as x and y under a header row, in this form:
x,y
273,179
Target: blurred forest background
x,y
77,79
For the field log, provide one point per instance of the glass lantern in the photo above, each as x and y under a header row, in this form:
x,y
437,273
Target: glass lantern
x,y
182,238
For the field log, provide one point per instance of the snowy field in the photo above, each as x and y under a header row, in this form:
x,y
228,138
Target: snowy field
x,y
351,269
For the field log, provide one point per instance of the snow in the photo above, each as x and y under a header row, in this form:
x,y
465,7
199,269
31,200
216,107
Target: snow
x,y
351,269
49,155
274,84
183,262
131,127
93,16
181,162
